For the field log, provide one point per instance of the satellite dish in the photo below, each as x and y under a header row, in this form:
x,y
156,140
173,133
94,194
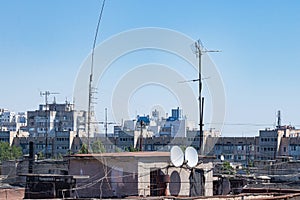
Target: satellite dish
x,y
191,157
222,158
177,156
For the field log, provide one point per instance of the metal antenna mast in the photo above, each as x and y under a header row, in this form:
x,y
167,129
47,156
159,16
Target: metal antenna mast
x,y
200,50
47,94
91,80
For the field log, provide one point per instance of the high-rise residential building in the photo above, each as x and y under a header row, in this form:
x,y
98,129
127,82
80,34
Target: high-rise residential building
x,y
11,121
52,118
52,128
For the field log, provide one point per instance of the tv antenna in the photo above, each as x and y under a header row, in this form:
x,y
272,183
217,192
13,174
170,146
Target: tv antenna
x,y
91,80
199,50
47,94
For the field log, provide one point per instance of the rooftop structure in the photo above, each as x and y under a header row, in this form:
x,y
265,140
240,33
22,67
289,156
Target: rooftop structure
x,y
136,174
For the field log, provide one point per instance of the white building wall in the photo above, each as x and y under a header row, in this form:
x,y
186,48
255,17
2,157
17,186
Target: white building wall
x,y
129,125
178,128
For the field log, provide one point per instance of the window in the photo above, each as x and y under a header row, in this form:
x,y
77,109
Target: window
x,y
149,147
227,148
284,149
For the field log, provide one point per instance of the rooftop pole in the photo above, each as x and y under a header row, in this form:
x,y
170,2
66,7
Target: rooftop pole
x,y
200,51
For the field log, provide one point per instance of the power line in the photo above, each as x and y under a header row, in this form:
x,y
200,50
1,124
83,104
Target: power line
x,y
240,124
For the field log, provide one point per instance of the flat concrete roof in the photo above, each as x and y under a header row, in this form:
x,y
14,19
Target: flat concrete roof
x,y
140,154
55,176
125,154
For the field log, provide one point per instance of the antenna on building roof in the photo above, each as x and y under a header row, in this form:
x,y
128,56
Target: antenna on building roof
x,y
46,94
91,79
199,50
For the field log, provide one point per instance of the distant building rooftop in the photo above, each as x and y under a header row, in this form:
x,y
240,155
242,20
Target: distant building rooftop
x,y
142,154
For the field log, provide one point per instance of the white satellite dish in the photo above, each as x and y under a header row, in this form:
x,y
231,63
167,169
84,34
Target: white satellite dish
x,y
191,157
222,158
177,156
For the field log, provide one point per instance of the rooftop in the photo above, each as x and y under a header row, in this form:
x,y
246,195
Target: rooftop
x,y
141,154
126,154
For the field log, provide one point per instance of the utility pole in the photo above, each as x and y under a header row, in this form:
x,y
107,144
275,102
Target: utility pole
x,y
105,123
47,94
200,50
141,135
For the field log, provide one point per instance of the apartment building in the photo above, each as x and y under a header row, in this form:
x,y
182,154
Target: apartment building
x,y
11,121
51,118
50,146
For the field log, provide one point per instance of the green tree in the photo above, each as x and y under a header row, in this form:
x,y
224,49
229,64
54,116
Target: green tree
x,y
227,168
8,152
83,149
98,147
41,155
59,156
131,149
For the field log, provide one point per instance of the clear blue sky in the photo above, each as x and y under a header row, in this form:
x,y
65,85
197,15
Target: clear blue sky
x,y
43,44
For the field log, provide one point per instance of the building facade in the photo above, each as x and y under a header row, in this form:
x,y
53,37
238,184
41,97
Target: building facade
x,y
52,118
11,121
136,174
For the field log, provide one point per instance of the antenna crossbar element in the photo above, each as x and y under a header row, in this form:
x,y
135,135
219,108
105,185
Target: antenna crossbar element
x,y
193,80
47,94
